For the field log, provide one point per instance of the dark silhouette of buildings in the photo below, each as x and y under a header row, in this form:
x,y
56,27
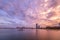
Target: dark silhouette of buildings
x,y
59,24
54,27
37,26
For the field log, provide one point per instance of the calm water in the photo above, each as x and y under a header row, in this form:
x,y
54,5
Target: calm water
x,y
29,34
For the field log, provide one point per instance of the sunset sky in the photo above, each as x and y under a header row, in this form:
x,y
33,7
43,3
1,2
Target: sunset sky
x,y
29,12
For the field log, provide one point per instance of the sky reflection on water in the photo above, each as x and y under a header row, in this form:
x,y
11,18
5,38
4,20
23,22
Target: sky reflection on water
x,y
29,34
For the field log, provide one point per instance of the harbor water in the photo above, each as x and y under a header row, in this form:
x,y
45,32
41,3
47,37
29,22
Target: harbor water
x,y
29,34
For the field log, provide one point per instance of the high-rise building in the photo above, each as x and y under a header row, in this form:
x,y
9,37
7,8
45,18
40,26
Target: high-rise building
x,y
37,26
59,24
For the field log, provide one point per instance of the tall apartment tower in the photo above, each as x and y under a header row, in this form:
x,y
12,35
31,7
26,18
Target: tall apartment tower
x,y
59,24
37,26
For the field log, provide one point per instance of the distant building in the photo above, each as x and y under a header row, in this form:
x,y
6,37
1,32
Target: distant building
x,y
59,24
37,26
54,27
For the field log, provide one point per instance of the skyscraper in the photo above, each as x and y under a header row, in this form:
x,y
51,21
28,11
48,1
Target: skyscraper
x,y
37,26
59,24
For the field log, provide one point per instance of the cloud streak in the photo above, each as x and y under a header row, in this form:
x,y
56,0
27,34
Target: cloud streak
x,y
30,12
